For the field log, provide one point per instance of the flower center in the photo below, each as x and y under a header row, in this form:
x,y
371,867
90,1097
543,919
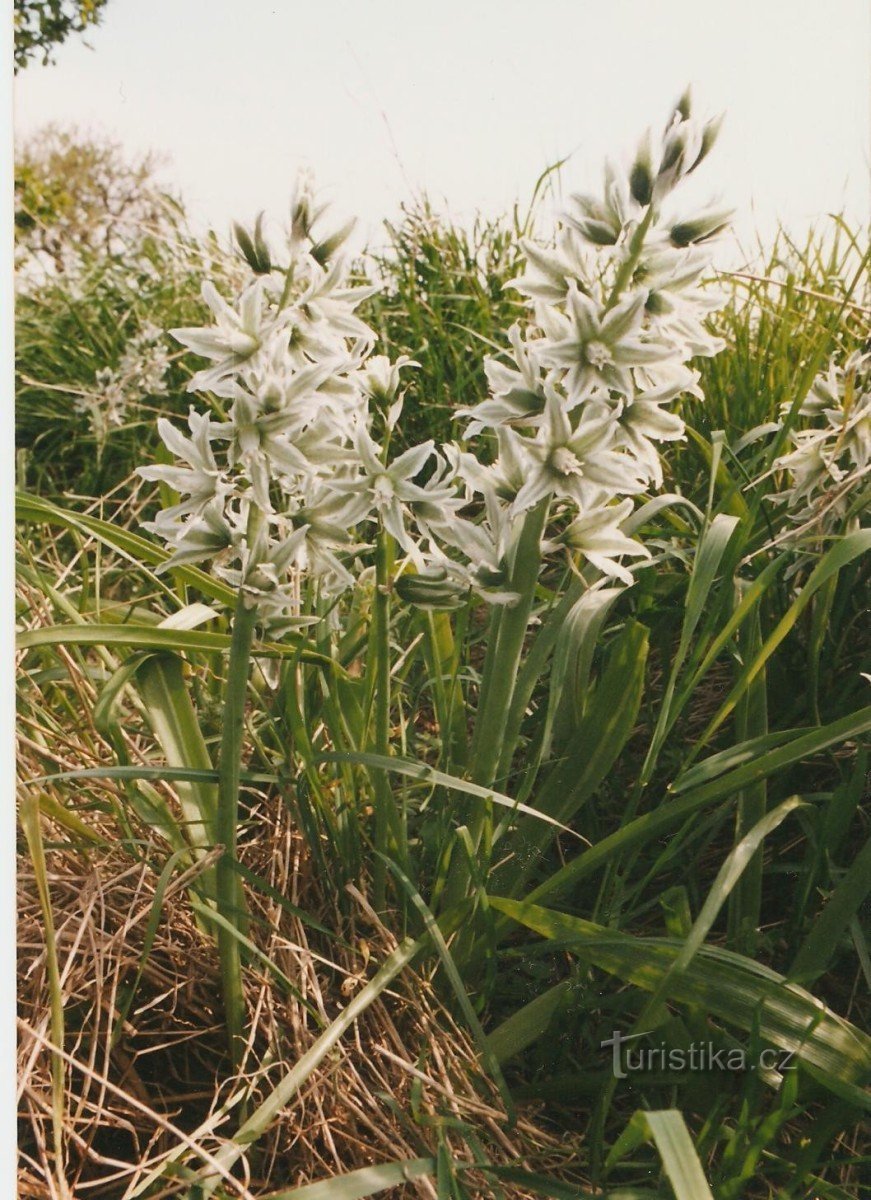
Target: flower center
x,y
243,345
563,462
598,354
383,489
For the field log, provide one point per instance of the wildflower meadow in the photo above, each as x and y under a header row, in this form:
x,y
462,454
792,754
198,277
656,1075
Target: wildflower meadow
x,y
443,700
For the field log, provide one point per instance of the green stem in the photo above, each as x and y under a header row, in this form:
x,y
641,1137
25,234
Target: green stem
x,y
501,669
387,818
498,683
226,824
636,245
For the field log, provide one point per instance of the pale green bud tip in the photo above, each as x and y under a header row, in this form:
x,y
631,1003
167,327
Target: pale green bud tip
x,y
685,104
253,249
710,133
708,225
641,175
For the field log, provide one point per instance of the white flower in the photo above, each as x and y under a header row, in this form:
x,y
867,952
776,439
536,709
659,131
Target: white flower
x,y
516,391
575,463
597,348
548,273
238,334
831,460
201,479
388,488
597,535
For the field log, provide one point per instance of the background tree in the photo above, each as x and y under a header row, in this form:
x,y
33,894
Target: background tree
x,y
40,25
76,193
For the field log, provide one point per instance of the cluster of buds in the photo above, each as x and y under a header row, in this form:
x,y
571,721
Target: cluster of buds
x,y
286,480
829,463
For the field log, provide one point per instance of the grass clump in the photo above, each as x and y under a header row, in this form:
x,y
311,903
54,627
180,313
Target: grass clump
x,y
373,898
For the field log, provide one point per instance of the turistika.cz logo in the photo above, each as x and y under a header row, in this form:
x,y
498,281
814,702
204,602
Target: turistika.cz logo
x,y
696,1056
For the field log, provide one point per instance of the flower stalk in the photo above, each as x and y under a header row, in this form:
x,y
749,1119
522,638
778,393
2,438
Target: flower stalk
x,y
388,821
229,894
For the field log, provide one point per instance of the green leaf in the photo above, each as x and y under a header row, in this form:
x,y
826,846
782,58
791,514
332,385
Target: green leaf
x,y
709,555
734,756
667,1130
821,943
418,770
736,989
170,713
605,728
157,637
367,1181
833,561
596,745
652,824
146,771
527,1024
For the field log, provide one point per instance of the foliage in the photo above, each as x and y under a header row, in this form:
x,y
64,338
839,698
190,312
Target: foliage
x,y
41,25
585,790
78,196
106,263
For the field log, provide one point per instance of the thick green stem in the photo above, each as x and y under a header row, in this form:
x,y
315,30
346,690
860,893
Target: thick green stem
x,y
501,669
226,823
388,823
498,684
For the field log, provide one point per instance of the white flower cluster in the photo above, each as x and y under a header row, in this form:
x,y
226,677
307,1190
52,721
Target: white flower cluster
x,y
616,313
293,476
141,371
829,464
274,488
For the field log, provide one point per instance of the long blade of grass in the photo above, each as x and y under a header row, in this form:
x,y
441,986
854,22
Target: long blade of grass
x,y
418,770
158,637
837,557
356,1185
751,721
170,713
736,989
821,943
651,824
30,823
709,555
668,1131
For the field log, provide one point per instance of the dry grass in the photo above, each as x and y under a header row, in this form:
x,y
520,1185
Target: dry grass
x,y
404,1078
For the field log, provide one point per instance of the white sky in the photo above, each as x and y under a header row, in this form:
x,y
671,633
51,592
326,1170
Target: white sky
x,y
469,100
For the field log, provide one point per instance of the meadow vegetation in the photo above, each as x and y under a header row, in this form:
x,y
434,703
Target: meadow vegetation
x,y
397,727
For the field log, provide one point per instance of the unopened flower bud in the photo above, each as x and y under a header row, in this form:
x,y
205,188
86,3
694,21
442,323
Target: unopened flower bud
x,y
684,104
710,133
707,225
254,249
433,590
641,175
324,251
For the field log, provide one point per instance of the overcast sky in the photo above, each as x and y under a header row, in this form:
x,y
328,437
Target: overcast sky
x,y
469,100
